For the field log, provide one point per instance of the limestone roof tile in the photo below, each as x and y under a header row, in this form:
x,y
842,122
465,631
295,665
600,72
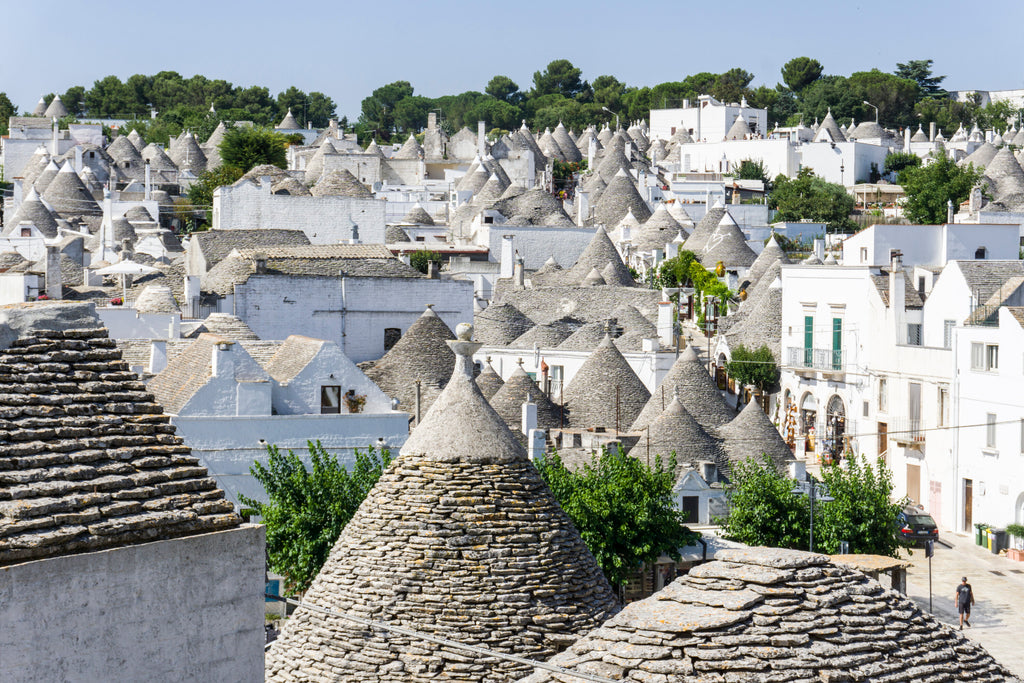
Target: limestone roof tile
x,y
605,391
500,324
689,377
509,399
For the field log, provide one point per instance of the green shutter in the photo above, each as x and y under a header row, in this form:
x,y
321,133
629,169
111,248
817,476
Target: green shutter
x,y
808,340
837,343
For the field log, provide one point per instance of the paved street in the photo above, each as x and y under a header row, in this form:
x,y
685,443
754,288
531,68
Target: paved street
x,y
998,590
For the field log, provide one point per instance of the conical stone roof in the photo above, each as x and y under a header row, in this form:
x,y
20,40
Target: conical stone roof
x,y
421,354
593,279
613,161
632,320
617,199
612,274
586,338
288,122
410,150
867,130
373,149
657,231
474,180
605,392
835,133
186,154
705,228
56,110
752,435
760,324
67,195
156,299
489,381
509,399
418,215
32,211
689,376
550,146
394,234
739,130
534,207
728,245
340,183
157,158
500,325
40,108
919,136
769,614
545,335
771,254
599,253
1005,173
980,157
139,143
36,164
46,177
459,538
675,431
568,147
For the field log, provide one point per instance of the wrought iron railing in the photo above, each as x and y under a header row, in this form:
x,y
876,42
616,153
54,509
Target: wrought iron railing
x,y
828,360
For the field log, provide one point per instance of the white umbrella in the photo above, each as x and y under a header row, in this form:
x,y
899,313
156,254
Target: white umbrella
x,y
123,268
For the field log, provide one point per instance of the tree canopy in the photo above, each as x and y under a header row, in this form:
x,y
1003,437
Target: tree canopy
x,y
800,72
244,147
812,198
755,367
622,508
920,71
306,510
931,187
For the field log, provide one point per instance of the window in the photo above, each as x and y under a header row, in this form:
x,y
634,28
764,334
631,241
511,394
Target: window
x,y
867,408
913,334
947,333
920,285
808,340
837,343
691,509
330,400
992,357
863,254
391,337
883,395
26,232
977,356
990,430
981,253
943,405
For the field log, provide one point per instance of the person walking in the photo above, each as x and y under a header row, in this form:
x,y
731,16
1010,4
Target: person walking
x,y
963,601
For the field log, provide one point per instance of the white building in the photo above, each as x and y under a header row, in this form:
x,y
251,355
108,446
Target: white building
x,y
708,119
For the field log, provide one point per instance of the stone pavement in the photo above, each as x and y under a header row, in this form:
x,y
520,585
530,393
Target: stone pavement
x,y
998,585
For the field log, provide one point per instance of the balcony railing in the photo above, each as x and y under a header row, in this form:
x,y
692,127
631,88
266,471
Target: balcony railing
x,y
906,430
826,360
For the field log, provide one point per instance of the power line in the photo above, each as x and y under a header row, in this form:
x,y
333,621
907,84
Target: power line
x,y
419,635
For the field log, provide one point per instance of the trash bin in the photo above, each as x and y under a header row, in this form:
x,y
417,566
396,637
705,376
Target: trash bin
x,y
998,540
979,534
988,539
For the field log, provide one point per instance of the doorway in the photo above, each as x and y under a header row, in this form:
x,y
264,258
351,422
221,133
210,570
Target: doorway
x,y
883,442
914,483
968,504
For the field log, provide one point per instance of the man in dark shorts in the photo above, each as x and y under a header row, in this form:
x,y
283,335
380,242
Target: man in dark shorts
x,y
963,601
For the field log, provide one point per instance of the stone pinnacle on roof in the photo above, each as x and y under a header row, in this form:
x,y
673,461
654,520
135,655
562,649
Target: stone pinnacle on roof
x,y
44,179
139,143
696,389
593,279
568,147
613,274
36,164
489,381
421,354
460,538
288,122
619,197
56,110
410,150
605,391
768,614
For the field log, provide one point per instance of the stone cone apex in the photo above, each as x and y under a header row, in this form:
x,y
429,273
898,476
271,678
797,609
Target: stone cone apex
x,y
604,378
751,435
421,354
706,227
489,381
288,122
710,625
611,274
418,215
33,211
56,110
593,279
459,538
676,431
689,375
40,109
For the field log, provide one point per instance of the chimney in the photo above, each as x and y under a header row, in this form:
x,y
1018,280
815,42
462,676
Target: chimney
x,y
591,153
78,158
906,139
508,256
797,470
897,295
931,132
432,120
223,362
529,415
56,132
54,283
432,273
191,295
481,139
666,323
582,207
259,262
157,356
149,184
535,443
949,211
519,275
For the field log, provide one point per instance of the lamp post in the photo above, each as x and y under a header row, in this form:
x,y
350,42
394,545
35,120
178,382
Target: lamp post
x,y
873,107
814,491
614,114
842,172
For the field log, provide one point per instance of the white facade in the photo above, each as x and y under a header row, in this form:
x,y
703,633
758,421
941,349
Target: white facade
x,y
932,245
325,220
708,120
353,312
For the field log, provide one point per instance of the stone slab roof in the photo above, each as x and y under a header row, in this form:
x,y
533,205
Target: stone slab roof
x,y
764,614
605,391
689,377
88,459
587,304
752,435
217,244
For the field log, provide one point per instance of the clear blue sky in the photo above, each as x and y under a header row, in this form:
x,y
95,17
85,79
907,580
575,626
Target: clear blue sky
x,y
347,49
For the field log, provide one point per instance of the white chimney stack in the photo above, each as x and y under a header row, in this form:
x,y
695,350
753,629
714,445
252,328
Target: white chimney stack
x,y
223,360
157,356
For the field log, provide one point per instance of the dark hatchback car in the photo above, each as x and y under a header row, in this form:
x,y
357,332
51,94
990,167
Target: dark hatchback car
x,y
916,526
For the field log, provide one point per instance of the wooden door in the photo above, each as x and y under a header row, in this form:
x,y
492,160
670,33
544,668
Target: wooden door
x,y
883,441
968,504
914,483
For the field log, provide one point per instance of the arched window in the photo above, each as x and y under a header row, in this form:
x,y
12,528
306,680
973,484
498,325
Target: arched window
x,y
835,427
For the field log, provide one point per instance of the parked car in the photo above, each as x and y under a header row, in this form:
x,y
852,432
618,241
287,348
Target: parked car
x,y
914,525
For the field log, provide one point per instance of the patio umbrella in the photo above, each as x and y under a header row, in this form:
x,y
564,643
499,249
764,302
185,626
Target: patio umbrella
x,y
126,267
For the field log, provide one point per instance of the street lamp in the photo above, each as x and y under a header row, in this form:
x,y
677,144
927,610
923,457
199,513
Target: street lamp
x,y
815,491
873,107
842,170
614,114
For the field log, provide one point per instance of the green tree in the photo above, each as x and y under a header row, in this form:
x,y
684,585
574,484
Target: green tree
x,y
422,258
895,97
830,93
411,113
608,92
897,161
754,169
560,77
7,110
929,188
754,367
800,72
779,101
505,89
920,71
812,198
296,100
731,85
764,511
109,98
200,193
675,272
378,110
622,508
320,109
246,147
307,509
947,113
74,99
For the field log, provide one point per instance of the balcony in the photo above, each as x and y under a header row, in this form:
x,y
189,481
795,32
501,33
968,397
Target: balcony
x,y
828,361
907,432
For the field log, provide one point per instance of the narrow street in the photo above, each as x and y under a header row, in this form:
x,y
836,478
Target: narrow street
x,y
998,585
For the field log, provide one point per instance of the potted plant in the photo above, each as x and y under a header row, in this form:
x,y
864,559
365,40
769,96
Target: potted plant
x,y
354,402
1016,549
